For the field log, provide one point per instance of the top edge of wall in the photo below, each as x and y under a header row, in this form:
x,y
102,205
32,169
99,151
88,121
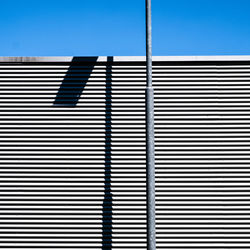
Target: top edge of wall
x,y
122,58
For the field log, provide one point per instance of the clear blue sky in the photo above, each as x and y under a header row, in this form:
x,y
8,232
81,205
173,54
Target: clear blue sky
x,y
117,27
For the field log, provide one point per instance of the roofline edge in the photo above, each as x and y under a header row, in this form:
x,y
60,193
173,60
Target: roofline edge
x,y
21,59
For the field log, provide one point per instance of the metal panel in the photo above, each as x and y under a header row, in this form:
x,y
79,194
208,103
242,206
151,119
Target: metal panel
x,y
72,153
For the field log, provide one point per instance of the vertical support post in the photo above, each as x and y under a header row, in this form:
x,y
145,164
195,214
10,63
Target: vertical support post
x,y
150,150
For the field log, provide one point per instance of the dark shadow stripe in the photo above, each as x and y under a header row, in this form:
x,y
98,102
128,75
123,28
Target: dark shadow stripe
x,y
107,212
70,92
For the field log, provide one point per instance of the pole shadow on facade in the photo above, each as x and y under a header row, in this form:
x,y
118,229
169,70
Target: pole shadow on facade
x,y
68,95
107,212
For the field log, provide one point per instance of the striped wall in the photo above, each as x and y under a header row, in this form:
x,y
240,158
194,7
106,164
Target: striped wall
x,y
72,153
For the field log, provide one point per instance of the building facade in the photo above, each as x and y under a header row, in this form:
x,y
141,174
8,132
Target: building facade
x,y
72,152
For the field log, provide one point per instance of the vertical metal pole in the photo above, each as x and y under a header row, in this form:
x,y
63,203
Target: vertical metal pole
x,y
150,151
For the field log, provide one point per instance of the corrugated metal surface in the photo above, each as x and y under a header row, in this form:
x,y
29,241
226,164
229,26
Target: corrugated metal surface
x,y
72,154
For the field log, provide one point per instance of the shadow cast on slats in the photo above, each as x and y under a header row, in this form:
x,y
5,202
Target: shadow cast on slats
x,y
68,95
72,85
107,212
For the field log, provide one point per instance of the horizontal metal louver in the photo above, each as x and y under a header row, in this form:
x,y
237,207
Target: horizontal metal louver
x,y
72,153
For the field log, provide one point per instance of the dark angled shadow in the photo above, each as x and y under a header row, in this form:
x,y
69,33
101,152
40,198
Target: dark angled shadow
x,y
107,208
68,95
74,82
